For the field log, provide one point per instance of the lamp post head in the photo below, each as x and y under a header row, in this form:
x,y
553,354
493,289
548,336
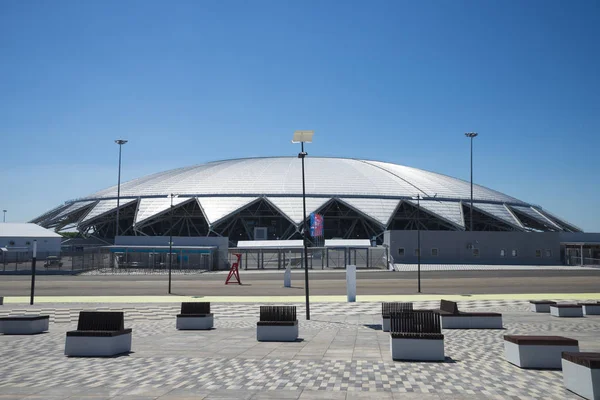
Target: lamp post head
x,y
471,134
120,141
303,136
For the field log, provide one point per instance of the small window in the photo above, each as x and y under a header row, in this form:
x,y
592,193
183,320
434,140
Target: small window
x,y
502,253
475,252
434,252
416,252
12,243
514,253
548,253
27,243
401,251
538,253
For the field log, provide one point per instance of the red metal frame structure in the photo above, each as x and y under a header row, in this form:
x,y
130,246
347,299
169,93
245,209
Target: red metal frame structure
x,y
234,271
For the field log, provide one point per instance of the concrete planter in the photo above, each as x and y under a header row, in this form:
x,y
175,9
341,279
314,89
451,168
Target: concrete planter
x,y
583,380
97,346
591,309
541,306
385,324
24,325
277,332
566,311
194,323
471,322
417,349
535,356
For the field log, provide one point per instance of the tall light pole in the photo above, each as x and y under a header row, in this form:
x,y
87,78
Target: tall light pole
x,y
120,142
471,135
419,241
4,219
304,137
171,239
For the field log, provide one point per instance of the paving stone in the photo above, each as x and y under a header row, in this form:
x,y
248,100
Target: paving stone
x,y
340,355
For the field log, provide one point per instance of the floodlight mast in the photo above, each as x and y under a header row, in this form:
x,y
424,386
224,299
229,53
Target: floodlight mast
x,y
304,137
120,142
471,135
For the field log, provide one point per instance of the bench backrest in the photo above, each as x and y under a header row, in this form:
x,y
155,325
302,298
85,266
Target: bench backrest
x,y
101,321
449,306
278,313
388,308
195,308
423,321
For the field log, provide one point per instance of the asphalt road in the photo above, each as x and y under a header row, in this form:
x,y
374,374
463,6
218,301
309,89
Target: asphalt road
x,y
321,283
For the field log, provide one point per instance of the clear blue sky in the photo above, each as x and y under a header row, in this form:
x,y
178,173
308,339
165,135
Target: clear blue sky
x,y
192,81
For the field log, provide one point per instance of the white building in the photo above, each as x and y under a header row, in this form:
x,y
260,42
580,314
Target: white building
x,y
16,240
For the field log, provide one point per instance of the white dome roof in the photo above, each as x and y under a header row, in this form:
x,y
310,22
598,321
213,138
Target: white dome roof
x,y
372,188
282,176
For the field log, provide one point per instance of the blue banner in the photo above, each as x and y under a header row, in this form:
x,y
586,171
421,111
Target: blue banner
x,y
316,225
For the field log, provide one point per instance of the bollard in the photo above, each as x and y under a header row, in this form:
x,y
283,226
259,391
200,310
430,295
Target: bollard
x,y
351,283
287,277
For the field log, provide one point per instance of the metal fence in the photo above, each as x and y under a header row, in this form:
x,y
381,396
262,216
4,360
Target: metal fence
x,y
587,261
102,260
318,258
18,261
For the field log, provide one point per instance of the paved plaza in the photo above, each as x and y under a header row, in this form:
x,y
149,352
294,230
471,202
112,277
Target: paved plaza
x,y
342,354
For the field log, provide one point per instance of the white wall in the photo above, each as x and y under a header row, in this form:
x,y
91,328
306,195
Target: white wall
x,y
24,245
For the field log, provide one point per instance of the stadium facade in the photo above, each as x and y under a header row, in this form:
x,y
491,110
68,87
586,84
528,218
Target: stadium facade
x,y
261,198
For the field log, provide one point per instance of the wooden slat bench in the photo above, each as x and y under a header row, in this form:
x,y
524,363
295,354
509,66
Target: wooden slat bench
x,y
416,335
195,316
566,310
543,352
581,374
277,324
388,308
590,308
24,324
452,318
98,334
541,306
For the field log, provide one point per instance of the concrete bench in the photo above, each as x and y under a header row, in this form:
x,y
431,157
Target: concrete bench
x,y
453,319
566,310
581,374
543,352
590,308
195,316
24,324
541,306
98,334
416,335
387,308
277,324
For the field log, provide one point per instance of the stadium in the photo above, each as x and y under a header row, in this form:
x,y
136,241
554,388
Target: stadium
x,y
261,198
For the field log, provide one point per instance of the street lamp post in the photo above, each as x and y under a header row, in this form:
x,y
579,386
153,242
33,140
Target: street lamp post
x,y
471,135
171,239
304,137
120,142
419,241
4,219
